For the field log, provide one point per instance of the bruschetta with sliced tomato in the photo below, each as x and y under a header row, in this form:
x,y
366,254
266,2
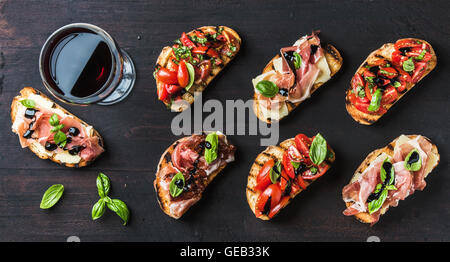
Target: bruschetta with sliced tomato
x,y
387,75
388,175
192,62
281,172
187,167
292,76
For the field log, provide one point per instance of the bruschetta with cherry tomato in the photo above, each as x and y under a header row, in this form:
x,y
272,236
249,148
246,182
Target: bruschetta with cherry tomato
x,y
279,173
385,77
192,62
292,76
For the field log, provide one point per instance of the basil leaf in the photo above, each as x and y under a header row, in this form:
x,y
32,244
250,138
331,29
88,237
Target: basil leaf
x,y
318,150
386,72
98,209
296,165
57,128
375,205
421,55
103,185
28,103
313,170
275,172
375,101
60,138
174,190
297,60
267,88
391,187
120,208
408,65
54,121
211,152
397,84
51,196
191,72
384,173
415,163
361,91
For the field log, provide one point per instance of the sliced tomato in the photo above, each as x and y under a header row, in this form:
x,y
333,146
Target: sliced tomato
x,y
166,76
303,144
221,38
200,50
407,43
183,74
199,34
357,80
173,89
171,65
402,86
403,76
363,106
186,41
263,178
368,93
368,73
321,169
287,165
398,58
389,95
418,71
273,194
295,187
212,53
284,201
285,183
163,95
388,72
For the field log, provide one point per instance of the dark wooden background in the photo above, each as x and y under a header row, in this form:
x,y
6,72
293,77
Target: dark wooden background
x,y
137,130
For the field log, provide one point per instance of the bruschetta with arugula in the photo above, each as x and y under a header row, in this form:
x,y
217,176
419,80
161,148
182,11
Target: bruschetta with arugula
x,y
281,172
387,75
192,62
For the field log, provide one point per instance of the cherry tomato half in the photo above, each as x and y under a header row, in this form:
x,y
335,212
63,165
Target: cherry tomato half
x,y
389,95
173,89
407,43
284,201
163,95
186,41
418,72
166,76
183,74
321,169
273,194
398,58
388,72
263,178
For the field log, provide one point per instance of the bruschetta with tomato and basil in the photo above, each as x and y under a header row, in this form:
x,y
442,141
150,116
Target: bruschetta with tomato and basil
x,y
292,76
387,75
187,167
192,62
281,172
388,175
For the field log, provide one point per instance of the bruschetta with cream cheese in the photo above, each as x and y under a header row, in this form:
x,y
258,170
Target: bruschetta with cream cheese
x,y
187,167
292,76
192,62
388,175
51,132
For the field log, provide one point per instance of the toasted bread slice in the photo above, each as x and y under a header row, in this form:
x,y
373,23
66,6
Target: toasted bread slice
x,y
164,199
385,52
62,158
334,60
166,52
275,153
432,162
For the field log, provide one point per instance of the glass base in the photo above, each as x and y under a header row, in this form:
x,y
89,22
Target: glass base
x,y
126,85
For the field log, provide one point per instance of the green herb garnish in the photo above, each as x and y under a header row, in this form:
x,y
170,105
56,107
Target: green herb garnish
x,y
51,196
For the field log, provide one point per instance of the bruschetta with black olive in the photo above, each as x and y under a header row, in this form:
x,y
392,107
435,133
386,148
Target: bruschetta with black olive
x,y
387,75
51,132
388,175
281,172
292,76
192,62
187,167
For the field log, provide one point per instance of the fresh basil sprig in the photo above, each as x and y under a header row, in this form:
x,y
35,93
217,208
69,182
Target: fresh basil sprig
x,y
51,196
375,101
211,153
297,60
267,88
116,205
176,185
318,150
275,172
421,55
384,187
413,162
408,65
28,103
60,138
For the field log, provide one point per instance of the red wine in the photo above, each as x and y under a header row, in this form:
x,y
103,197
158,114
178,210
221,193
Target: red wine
x,y
79,63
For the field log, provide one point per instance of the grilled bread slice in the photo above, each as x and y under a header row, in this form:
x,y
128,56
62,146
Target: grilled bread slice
x,y
62,158
179,106
275,153
385,52
432,162
334,60
162,195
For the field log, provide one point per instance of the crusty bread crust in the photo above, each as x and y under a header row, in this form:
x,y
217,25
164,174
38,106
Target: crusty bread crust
x,y
166,52
365,217
384,52
35,147
334,60
164,200
275,153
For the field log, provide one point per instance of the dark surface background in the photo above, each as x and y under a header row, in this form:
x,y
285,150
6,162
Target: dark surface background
x,y
137,130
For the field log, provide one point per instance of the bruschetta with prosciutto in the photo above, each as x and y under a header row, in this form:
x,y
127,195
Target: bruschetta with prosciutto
x,y
281,172
51,132
387,75
187,167
388,175
292,76
192,62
